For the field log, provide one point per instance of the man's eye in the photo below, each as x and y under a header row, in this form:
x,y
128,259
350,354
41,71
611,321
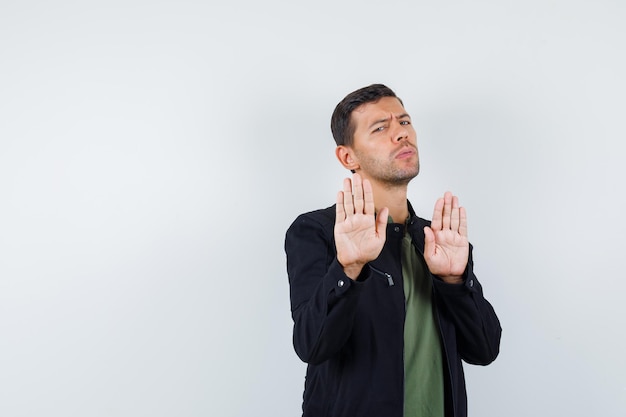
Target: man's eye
x,y
379,129
405,122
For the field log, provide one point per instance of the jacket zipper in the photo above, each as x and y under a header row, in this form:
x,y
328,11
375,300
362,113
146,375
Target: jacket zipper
x,y
385,274
446,354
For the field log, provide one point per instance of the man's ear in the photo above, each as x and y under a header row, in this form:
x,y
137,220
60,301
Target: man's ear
x,y
346,157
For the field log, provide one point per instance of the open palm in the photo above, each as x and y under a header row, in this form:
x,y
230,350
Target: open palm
x,y
359,235
446,248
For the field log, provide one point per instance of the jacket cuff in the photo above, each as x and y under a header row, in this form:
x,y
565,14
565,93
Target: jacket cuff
x,y
341,284
468,286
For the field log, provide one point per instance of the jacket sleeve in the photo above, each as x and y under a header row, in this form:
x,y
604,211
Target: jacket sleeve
x,y
323,298
478,329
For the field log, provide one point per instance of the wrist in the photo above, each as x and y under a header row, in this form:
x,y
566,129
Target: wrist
x,y
452,279
352,270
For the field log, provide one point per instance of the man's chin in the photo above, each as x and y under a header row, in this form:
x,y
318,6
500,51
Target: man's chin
x,y
408,175
402,178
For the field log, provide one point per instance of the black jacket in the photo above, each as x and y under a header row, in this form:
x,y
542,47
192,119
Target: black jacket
x,y
351,332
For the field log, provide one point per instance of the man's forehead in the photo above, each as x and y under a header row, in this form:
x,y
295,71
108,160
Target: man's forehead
x,y
380,109
383,102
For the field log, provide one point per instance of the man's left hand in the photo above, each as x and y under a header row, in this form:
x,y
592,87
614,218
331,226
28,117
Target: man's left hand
x,y
446,248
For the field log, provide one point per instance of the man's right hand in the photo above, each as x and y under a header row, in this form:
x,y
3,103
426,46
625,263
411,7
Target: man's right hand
x,y
359,234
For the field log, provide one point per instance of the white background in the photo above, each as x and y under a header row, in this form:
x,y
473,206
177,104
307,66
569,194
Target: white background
x,y
152,155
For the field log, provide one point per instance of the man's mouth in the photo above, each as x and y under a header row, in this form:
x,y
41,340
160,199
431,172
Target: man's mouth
x,y
405,153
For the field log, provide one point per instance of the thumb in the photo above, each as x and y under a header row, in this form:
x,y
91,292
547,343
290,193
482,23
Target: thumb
x,y
381,220
429,241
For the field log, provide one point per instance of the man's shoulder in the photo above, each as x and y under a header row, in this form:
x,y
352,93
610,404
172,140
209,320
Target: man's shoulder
x,y
324,217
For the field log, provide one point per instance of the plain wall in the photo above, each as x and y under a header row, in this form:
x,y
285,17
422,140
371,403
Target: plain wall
x,y
152,155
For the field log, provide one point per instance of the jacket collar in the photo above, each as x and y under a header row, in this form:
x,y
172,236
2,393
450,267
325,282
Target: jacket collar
x,y
416,228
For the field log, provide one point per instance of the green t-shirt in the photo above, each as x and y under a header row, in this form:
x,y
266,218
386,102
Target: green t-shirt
x,y
423,363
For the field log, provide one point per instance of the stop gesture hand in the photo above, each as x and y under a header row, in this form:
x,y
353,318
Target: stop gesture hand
x,y
359,234
446,248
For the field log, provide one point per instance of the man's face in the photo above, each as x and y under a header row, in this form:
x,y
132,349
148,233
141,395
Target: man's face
x,y
385,142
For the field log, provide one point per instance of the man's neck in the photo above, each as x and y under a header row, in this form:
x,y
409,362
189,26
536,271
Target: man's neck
x,y
392,197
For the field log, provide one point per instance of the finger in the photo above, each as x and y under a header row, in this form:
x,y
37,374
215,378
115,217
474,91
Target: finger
x,y
437,215
340,213
368,198
455,216
357,193
347,198
462,222
447,210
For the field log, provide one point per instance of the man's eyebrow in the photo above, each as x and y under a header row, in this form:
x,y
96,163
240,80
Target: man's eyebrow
x,y
386,119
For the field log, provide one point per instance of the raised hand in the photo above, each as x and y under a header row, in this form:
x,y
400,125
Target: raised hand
x,y
359,235
446,248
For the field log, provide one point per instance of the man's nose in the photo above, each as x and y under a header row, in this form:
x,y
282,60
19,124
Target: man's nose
x,y
400,133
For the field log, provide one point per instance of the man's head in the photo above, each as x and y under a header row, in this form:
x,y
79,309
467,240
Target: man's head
x,y
375,136
341,122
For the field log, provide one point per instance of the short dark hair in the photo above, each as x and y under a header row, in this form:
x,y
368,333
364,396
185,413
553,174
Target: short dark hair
x,y
341,121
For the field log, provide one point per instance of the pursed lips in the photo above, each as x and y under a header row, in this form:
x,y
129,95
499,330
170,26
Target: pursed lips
x,y
405,153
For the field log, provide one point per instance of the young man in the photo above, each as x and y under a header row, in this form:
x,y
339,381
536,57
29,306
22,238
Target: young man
x,y
385,304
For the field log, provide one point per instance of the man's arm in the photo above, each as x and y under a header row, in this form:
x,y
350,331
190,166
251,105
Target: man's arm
x,y
449,257
323,283
476,324
323,298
